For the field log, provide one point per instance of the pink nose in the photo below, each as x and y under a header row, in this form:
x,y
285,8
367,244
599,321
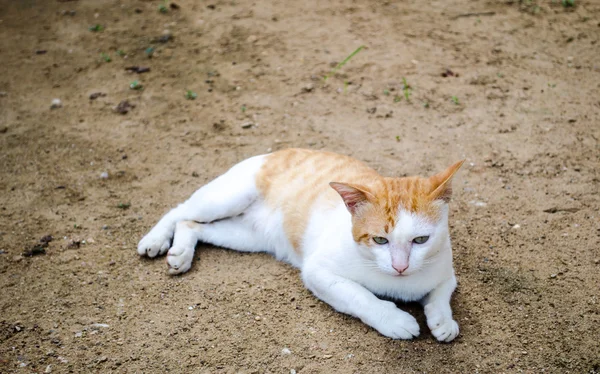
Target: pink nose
x,y
400,268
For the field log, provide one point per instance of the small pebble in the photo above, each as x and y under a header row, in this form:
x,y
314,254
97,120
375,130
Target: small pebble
x,y
308,88
257,318
552,275
517,226
292,371
56,103
286,351
104,175
48,369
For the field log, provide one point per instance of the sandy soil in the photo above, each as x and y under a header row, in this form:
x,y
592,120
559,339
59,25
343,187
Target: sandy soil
x,y
520,101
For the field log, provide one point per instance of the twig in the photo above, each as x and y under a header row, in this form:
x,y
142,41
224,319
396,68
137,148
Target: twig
x,y
474,14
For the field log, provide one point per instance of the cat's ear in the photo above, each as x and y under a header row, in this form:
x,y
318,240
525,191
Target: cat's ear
x,y
441,183
353,196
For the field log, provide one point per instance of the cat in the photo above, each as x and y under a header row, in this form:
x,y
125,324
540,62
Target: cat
x,y
353,233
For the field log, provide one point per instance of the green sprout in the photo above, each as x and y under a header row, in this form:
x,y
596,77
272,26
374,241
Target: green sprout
x,y
135,85
190,95
568,3
386,92
243,109
397,138
343,62
105,57
455,100
406,89
397,98
121,52
163,8
426,104
149,51
96,28
123,205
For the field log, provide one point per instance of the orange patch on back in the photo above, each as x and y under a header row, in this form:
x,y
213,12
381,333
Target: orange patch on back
x,y
294,179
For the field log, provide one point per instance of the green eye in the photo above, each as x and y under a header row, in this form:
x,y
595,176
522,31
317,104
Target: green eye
x,y
379,240
420,239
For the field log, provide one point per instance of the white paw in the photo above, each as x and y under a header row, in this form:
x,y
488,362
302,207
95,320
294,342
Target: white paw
x,y
154,243
441,324
397,324
180,259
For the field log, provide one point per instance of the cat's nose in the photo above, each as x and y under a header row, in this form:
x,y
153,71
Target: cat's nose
x,y
400,268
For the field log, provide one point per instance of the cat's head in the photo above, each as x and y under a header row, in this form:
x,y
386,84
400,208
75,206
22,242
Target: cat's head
x,y
400,223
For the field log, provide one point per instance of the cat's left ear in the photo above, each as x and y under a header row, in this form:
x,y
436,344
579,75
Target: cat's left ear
x,y
441,183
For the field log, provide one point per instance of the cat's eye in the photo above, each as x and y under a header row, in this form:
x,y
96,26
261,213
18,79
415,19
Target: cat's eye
x,y
379,240
420,239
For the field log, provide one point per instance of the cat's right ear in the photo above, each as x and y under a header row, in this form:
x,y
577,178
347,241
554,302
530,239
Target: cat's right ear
x,y
353,196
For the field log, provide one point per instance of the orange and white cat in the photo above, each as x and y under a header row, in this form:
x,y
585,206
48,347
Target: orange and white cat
x,y
353,233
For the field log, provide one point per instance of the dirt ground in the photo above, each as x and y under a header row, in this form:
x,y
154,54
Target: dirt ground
x,y
513,87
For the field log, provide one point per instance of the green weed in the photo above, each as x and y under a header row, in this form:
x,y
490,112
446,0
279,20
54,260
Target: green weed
x,y
163,8
123,205
343,62
190,95
406,89
135,85
96,28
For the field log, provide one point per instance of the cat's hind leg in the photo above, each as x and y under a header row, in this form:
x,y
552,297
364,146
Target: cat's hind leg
x,y
234,233
226,196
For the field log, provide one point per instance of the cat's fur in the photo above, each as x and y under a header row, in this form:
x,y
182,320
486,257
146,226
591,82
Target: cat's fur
x,y
319,211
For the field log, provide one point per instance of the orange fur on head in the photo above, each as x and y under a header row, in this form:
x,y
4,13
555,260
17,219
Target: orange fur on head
x,y
298,180
374,208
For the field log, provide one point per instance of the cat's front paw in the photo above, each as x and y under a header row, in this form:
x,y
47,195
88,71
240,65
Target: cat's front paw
x,y
180,259
441,324
154,243
397,324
